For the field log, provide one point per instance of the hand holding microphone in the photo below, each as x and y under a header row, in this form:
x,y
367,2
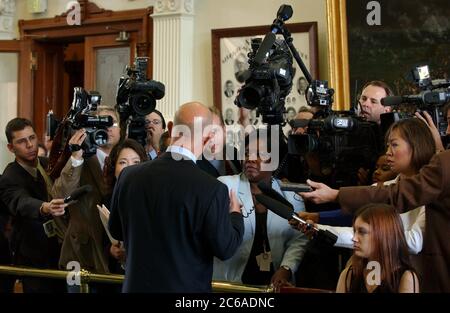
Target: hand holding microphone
x,y
277,204
78,193
56,207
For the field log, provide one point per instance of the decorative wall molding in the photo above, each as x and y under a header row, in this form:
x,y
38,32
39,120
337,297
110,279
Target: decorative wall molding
x,y
170,7
7,17
173,51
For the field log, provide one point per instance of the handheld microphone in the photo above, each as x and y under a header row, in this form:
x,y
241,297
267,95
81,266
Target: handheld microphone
x,y
268,191
78,193
288,213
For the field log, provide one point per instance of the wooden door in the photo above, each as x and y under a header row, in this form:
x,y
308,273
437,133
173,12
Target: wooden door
x,y
48,83
105,62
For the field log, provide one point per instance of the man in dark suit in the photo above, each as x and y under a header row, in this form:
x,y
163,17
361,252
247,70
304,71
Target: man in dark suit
x,y
219,157
24,188
431,187
173,217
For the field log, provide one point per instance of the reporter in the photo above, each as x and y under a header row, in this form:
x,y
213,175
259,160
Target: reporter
x,y
410,147
126,153
430,187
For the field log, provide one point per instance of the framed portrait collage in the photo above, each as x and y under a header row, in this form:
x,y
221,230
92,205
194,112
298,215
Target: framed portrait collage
x,y
230,48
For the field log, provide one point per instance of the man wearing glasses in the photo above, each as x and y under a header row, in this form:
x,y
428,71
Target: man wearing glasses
x,y
155,126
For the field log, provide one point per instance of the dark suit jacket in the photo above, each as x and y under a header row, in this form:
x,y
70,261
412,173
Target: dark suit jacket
x,y
431,187
207,167
85,238
24,195
173,219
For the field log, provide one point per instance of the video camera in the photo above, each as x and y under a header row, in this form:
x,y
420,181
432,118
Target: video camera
x,y
136,97
96,126
434,94
343,142
268,82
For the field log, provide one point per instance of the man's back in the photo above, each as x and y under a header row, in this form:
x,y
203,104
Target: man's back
x,y
174,218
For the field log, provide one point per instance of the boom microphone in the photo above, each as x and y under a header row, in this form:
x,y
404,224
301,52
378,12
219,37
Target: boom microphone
x,y
396,100
427,97
77,193
288,213
284,13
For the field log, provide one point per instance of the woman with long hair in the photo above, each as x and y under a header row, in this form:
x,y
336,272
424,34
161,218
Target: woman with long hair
x,y
410,146
126,153
380,262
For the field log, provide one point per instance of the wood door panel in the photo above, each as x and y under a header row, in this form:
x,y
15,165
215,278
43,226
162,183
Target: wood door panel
x,y
92,43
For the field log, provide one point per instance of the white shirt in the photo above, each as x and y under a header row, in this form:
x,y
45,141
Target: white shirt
x,y
101,156
413,223
182,151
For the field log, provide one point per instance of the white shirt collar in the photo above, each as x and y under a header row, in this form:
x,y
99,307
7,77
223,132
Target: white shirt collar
x,y
101,156
152,154
183,151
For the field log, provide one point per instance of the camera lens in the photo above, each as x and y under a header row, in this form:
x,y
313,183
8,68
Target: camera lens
x,y
250,97
143,103
99,137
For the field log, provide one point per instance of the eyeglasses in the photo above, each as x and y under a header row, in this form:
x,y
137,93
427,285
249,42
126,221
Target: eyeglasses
x,y
154,122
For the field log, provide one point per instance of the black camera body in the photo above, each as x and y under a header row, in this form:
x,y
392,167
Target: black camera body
x,y
268,82
433,96
136,97
96,126
319,95
342,143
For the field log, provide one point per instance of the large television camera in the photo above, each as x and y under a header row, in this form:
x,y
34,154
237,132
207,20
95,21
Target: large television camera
x,y
433,96
79,116
268,82
136,97
341,141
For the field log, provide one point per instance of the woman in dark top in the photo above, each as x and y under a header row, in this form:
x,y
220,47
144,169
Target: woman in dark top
x,y
126,153
380,262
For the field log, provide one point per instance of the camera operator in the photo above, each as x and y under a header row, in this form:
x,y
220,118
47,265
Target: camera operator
x,y
85,239
370,101
155,126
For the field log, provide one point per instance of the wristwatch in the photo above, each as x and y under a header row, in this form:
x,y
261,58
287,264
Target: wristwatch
x,y
286,268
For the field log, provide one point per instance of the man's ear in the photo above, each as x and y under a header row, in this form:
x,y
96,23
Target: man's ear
x,y
10,147
387,109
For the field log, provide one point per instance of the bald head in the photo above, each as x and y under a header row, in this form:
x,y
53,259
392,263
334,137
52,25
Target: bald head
x,y
189,125
188,112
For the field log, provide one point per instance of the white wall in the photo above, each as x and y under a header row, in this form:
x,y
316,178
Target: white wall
x,y
8,100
